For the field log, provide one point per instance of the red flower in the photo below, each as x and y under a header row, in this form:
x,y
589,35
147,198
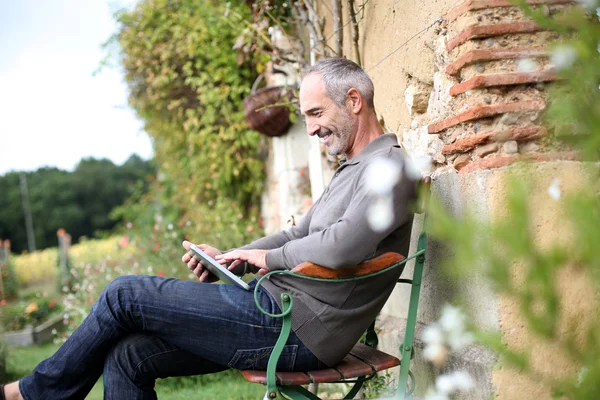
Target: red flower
x,y
3,303
52,304
250,228
156,247
161,274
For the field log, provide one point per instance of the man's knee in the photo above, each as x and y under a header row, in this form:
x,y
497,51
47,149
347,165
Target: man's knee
x,y
128,358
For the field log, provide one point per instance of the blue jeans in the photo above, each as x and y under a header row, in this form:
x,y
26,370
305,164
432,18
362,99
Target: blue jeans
x,y
143,328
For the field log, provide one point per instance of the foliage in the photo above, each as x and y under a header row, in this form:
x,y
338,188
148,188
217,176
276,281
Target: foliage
x,y
187,85
30,313
77,201
10,280
508,250
36,267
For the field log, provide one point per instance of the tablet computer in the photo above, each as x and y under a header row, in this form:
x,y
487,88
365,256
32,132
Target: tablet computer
x,y
220,271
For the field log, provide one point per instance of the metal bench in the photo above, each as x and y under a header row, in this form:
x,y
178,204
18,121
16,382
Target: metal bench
x,y
364,360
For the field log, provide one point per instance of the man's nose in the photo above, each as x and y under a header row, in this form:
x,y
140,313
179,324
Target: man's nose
x,y
312,128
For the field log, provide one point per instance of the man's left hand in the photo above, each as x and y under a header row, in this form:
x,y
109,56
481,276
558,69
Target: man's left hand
x,y
258,258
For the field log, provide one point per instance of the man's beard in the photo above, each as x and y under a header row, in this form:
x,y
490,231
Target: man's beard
x,y
341,138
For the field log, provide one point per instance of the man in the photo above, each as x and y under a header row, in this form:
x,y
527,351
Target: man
x,y
143,328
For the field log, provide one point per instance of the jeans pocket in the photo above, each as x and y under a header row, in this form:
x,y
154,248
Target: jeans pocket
x,y
257,359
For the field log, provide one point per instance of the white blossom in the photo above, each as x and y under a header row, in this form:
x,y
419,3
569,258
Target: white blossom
x,y
452,322
526,65
563,56
454,382
436,353
554,189
170,227
381,176
433,334
419,166
380,213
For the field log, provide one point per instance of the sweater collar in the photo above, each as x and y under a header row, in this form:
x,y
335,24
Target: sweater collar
x,y
384,141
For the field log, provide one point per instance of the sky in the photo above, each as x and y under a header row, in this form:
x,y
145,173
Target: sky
x,y
53,111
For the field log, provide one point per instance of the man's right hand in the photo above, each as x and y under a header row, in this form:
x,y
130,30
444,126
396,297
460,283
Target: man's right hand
x,y
195,266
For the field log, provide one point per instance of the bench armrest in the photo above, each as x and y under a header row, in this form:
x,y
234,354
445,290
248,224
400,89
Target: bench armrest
x,y
368,267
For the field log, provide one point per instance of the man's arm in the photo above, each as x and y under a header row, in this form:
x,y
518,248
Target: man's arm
x,y
273,241
351,239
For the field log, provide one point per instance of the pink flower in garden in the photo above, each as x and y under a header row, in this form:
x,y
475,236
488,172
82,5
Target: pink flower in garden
x,y
161,274
124,241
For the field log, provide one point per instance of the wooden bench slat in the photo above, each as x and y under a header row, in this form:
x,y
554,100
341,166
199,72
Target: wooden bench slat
x,y
352,367
360,362
325,375
378,359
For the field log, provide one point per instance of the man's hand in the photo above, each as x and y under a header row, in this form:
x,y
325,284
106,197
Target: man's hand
x,y
195,266
258,258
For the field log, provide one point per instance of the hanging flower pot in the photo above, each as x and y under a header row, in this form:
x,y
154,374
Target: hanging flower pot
x,y
262,113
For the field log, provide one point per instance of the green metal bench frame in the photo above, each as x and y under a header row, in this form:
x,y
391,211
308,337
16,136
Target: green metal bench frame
x,y
276,391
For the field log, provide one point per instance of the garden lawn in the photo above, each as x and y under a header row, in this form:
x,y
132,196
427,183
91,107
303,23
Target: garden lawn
x,y
224,385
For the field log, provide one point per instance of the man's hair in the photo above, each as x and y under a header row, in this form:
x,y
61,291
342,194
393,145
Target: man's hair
x,y
339,76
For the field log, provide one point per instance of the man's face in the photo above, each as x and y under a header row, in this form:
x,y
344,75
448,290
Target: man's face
x,y
335,126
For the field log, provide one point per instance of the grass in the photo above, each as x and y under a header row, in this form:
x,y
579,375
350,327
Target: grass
x,y
224,385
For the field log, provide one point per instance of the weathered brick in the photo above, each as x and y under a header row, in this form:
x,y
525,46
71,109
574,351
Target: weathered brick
x,y
483,31
469,143
479,55
466,144
485,111
511,78
473,5
461,161
484,150
503,161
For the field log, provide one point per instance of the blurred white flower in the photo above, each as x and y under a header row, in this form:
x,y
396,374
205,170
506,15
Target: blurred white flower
x,y
526,65
108,277
150,270
380,213
419,166
381,176
453,382
581,375
129,225
54,331
170,227
436,353
554,189
452,322
563,56
433,334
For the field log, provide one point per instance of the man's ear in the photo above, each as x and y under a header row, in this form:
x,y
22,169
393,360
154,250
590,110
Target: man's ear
x,y
354,101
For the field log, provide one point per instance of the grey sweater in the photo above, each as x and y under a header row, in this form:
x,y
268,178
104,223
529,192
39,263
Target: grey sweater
x,y
329,317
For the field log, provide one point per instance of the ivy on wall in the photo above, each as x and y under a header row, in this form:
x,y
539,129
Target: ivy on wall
x,y
187,83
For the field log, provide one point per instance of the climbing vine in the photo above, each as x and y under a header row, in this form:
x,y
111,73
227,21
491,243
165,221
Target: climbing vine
x,y
187,83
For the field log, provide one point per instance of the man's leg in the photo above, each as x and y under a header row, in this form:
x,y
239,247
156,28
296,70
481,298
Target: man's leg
x,y
133,365
219,323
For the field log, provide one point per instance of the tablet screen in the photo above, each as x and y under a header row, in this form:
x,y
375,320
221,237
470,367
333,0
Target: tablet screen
x,y
217,269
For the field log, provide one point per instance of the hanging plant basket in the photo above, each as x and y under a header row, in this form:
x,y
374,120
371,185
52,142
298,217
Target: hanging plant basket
x,y
263,116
